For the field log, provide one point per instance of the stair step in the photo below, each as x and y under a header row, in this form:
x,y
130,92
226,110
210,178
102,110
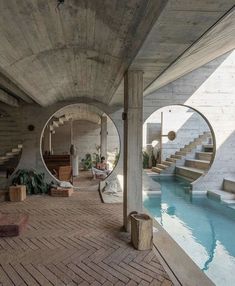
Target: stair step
x,y
221,195
182,153
156,170
208,147
204,155
15,150
189,172
161,166
229,185
176,156
61,120
167,163
3,158
10,154
55,124
186,149
198,164
173,160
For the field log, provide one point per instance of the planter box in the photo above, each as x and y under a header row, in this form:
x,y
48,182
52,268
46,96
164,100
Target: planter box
x,y
61,192
141,231
17,193
12,224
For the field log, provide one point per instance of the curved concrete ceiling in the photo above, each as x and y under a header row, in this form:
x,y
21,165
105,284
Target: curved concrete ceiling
x,y
84,48
81,112
81,49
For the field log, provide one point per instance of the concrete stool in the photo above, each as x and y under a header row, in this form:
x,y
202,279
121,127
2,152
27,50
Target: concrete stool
x,y
12,224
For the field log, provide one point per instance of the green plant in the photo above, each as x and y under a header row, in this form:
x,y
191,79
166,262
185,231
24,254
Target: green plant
x,y
87,162
33,181
117,155
90,160
95,158
153,159
145,160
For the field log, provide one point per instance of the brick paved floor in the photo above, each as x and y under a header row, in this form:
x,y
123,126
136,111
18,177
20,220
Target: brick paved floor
x,y
74,241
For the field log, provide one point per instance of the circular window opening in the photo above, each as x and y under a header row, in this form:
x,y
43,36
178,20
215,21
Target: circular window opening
x,y
10,146
80,143
177,140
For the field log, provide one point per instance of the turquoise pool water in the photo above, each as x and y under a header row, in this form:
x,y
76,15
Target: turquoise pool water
x,y
204,228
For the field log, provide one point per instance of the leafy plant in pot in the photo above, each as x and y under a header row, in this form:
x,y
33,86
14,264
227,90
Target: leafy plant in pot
x,y
33,181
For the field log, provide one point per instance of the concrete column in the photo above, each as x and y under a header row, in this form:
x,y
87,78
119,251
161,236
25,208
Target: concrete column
x,y
47,139
133,121
103,137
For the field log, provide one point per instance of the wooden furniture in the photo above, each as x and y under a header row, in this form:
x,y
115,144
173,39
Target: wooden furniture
x,y
12,224
61,192
17,193
59,166
64,173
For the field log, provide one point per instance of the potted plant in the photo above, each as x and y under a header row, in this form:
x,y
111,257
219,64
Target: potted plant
x,y
33,181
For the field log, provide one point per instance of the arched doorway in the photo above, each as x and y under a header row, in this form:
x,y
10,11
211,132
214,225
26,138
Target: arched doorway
x,y
76,140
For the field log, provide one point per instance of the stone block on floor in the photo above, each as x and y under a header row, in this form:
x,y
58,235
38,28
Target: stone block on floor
x,y
12,224
17,193
4,196
61,192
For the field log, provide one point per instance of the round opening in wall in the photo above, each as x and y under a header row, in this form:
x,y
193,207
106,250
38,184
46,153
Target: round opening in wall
x,y
80,144
185,144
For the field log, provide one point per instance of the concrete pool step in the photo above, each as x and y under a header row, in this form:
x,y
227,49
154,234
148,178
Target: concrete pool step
x,y
221,195
189,172
229,202
229,184
204,156
198,164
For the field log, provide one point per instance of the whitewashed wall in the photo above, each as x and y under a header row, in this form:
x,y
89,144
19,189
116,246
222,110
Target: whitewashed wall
x,y
186,123
211,91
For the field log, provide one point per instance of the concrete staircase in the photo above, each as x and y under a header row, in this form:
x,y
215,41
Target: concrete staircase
x,y
10,141
191,161
11,154
59,121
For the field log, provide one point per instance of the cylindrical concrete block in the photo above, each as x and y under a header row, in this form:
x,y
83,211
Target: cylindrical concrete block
x,y
75,165
141,231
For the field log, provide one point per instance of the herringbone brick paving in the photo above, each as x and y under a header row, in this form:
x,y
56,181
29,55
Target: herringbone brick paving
x,y
74,241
